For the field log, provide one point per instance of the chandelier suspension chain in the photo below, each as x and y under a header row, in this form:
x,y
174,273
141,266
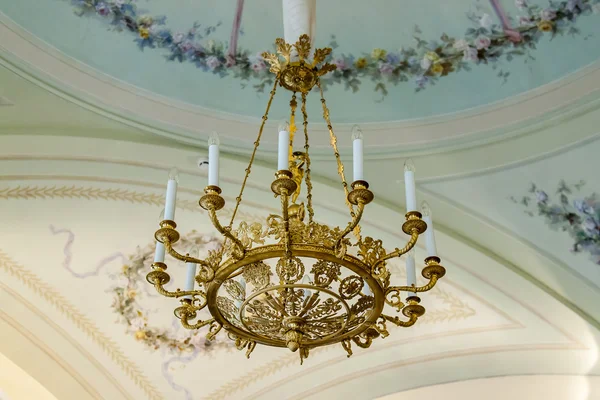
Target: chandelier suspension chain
x,y
309,207
238,199
340,165
293,105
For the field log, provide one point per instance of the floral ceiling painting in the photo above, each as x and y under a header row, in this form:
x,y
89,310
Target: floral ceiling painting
x,y
399,61
551,204
488,40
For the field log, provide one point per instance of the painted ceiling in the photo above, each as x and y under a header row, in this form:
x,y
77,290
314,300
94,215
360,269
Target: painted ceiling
x,y
91,123
79,305
396,61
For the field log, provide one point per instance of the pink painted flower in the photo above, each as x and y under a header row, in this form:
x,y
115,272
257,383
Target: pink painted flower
x,y
257,66
187,46
386,69
470,54
340,63
548,14
213,63
178,37
102,9
197,340
138,323
461,45
482,42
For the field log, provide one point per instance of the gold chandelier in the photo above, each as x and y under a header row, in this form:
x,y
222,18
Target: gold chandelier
x,y
293,282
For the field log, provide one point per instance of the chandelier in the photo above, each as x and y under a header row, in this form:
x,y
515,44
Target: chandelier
x,y
293,282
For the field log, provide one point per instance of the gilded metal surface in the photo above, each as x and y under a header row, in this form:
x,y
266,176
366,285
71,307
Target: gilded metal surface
x,y
414,223
309,206
212,200
283,184
278,304
360,193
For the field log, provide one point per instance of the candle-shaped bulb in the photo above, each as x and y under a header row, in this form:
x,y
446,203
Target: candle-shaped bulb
x,y
284,126
213,159
174,174
190,277
409,186
425,209
213,139
283,146
159,251
430,244
356,133
357,154
367,289
171,195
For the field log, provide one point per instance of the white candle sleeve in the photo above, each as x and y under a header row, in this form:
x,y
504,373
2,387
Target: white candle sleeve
x,y
159,253
411,193
357,158
213,165
171,199
190,278
283,158
430,237
411,273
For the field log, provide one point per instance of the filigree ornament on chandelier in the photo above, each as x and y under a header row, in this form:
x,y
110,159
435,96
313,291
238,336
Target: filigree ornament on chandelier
x,y
293,282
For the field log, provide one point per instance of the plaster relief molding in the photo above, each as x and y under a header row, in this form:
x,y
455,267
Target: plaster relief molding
x,y
58,301
45,66
420,360
73,372
5,102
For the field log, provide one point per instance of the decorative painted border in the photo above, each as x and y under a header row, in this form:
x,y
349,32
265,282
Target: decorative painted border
x,y
53,297
579,218
559,100
486,42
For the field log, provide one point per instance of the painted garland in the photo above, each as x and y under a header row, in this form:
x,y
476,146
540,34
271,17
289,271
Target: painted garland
x,y
579,217
484,43
127,293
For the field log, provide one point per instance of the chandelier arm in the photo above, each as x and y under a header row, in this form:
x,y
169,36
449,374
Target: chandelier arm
x,y
186,324
238,199
240,250
416,289
398,322
340,165
309,205
185,258
414,236
352,224
180,293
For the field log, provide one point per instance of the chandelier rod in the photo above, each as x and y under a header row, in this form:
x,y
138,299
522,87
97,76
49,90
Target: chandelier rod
x,y
309,207
238,199
340,165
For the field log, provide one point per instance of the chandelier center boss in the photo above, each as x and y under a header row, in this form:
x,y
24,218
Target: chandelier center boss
x,y
293,282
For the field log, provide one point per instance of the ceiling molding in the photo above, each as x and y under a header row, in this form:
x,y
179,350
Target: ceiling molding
x,y
5,102
45,66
